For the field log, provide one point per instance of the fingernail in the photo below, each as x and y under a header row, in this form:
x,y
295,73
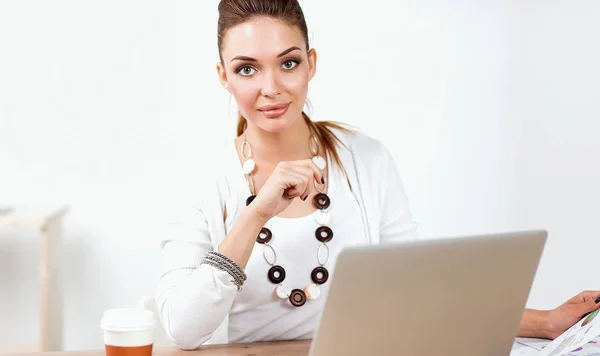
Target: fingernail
x,y
322,180
597,300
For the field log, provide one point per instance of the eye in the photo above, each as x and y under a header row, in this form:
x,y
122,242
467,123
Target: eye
x,y
289,64
245,71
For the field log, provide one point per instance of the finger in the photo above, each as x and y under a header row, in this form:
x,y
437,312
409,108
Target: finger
x,y
591,295
578,299
585,296
289,182
293,184
317,175
589,306
308,175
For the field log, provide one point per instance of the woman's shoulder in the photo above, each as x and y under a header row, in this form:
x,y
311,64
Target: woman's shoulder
x,y
360,144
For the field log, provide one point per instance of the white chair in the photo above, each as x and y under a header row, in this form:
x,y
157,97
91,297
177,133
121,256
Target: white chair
x,y
161,337
48,221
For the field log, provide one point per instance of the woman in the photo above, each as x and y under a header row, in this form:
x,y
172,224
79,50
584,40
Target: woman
x,y
295,190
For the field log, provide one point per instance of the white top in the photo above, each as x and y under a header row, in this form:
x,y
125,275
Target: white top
x,y
197,302
257,313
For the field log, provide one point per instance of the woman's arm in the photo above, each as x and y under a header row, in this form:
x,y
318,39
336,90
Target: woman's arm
x,y
549,324
534,324
193,298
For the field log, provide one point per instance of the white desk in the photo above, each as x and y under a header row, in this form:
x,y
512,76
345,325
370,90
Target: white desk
x,y
48,221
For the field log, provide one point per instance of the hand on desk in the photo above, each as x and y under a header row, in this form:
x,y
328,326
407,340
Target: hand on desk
x,y
569,313
550,324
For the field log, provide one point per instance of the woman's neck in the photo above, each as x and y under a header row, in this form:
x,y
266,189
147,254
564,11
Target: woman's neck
x,y
291,144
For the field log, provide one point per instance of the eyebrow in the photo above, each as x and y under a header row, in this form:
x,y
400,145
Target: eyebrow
x,y
250,59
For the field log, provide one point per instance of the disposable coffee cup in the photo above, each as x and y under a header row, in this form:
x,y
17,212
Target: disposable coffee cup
x,y
128,332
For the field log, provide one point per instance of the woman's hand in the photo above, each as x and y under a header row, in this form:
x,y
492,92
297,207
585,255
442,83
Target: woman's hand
x,y
570,312
289,180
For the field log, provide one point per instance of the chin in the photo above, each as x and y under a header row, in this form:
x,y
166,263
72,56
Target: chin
x,y
277,125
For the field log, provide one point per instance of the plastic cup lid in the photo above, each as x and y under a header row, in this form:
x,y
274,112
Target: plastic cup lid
x,y
128,319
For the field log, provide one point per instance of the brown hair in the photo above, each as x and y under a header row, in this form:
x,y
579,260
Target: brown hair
x,y
235,12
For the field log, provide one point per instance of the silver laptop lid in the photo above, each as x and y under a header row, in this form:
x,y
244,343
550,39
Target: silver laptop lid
x,y
452,296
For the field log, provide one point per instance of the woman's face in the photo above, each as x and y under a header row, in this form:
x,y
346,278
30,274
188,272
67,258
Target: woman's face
x,y
267,69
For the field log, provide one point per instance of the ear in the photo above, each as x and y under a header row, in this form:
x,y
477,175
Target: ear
x,y
223,77
312,63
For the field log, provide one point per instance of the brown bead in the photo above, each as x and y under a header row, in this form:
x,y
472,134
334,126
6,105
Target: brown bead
x,y
328,234
267,238
315,275
276,279
297,298
321,201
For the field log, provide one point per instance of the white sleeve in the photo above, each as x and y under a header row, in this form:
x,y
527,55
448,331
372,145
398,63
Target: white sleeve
x,y
396,222
192,299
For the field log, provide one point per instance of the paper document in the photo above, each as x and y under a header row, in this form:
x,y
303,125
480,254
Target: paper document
x,y
586,330
523,350
537,344
579,340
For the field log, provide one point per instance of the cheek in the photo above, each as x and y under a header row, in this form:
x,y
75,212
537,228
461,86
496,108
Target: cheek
x,y
297,85
245,93
296,88
299,91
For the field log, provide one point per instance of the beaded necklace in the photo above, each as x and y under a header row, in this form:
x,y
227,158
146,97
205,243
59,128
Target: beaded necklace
x,y
276,274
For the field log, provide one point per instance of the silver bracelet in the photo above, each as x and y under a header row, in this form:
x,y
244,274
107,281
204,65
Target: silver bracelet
x,y
231,267
224,263
235,280
235,268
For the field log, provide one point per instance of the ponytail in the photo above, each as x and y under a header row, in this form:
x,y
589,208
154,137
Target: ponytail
x,y
242,124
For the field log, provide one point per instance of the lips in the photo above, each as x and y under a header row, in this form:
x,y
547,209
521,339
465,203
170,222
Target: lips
x,y
275,110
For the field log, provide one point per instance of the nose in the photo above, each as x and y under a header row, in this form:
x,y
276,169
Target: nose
x,y
270,86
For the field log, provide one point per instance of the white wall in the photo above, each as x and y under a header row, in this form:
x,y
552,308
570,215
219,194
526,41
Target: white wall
x,y
113,107
557,96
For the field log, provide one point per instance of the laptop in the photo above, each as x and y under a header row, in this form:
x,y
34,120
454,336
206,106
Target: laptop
x,y
457,296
